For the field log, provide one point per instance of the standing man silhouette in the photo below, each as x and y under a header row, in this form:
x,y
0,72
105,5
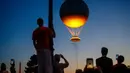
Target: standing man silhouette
x,y
104,63
41,41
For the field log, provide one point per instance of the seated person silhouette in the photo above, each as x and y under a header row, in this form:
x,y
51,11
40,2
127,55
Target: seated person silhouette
x,y
104,63
59,67
120,67
3,68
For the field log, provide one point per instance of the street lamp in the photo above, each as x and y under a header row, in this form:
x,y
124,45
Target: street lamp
x,y
50,25
74,14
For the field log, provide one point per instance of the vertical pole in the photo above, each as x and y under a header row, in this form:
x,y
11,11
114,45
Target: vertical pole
x,y
50,25
50,17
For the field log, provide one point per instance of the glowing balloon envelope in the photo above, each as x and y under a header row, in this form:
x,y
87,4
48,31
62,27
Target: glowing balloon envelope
x,y
74,14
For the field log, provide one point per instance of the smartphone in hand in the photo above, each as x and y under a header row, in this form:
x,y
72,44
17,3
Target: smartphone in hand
x,y
90,63
117,55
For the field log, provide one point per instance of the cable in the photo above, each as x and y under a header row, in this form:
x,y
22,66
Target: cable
x,y
76,53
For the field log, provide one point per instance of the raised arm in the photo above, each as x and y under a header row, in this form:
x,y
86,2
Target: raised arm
x,y
66,64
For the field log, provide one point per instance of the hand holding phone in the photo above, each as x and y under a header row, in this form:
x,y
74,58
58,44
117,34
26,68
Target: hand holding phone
x,y
90,62
117,55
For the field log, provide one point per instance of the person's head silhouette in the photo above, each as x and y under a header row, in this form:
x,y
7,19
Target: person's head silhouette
x,y
57,57
78,71
104,51
40,22
3,67
120,59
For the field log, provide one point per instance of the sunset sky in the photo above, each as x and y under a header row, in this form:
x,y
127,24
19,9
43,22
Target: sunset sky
x,y
108,26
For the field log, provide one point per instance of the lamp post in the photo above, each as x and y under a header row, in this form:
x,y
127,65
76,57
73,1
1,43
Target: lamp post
x,y
50,22
50,25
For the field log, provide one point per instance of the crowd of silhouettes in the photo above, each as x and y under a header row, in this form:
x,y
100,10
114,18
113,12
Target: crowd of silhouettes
x,y
12,67
104,64
42,42
46,62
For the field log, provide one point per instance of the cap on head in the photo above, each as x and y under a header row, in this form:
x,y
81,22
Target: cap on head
x,y
104,51
40,21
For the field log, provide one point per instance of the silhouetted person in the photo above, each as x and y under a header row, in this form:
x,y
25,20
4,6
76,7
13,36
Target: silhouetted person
x,y
41,41
89,68
59,67
78,71
104,63
12,68
120,67
3,68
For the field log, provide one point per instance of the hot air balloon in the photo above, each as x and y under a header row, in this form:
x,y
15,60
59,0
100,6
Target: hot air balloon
x,y
74,14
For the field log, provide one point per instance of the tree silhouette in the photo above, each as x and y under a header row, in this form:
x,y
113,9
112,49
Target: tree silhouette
x,y
32,66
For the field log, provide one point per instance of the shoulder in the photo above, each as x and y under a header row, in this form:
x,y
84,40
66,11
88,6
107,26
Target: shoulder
x,y
35,30
123,65
109,59
114,66
98,58
45,28
120,66
49,30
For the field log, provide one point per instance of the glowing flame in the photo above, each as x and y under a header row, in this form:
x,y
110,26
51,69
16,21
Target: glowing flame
x,y
74,21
